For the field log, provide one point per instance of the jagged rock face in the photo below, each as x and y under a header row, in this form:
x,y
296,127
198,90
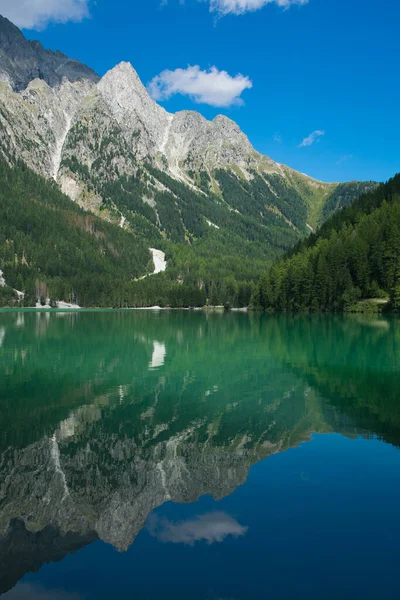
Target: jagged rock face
x,y
35,122
21,61
121,102
199,144
54,110
85,132
68,119
143,122
96,142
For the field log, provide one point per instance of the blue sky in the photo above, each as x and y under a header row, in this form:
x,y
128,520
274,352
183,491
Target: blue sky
x,y
325,66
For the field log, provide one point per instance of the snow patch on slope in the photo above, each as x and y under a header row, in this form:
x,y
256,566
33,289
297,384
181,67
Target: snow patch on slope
x,y
160,264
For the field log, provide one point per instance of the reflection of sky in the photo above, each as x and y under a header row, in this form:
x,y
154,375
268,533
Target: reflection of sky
x,y
330,534
211,527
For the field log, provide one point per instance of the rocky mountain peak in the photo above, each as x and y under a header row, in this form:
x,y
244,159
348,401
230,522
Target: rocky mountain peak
x,y
22,60
124,89
11,38
139,117
226,126
122,70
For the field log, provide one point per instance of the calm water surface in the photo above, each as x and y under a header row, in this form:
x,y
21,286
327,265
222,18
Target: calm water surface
x,y
199,456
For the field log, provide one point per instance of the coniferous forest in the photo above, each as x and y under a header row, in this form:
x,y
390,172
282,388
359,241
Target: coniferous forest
x,y
52,249
354,257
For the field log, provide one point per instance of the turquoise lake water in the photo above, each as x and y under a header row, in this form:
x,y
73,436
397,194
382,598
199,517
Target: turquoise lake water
x,y
189,455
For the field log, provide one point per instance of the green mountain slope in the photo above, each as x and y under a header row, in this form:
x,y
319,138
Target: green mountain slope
x,y
50,247
354,256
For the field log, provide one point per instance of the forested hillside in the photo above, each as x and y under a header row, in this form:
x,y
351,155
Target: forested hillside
x,y
354,256
49,247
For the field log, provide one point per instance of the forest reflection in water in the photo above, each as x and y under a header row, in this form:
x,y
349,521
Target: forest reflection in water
x,y
107,416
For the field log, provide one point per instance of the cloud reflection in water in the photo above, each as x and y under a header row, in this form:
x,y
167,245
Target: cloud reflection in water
x,y
210,527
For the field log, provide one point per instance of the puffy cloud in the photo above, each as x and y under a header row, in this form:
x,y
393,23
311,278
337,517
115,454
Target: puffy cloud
x,y
239,7
213,87
313,137
36,14
211,527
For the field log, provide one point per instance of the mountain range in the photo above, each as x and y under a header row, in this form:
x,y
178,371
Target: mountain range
x,y
194,188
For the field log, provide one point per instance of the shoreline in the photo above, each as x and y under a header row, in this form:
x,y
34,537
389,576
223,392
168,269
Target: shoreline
x,y
43,309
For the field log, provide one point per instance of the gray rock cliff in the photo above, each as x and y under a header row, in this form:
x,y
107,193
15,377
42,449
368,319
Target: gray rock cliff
x,y
22,60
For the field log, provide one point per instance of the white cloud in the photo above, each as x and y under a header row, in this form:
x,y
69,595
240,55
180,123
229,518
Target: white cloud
x,y
36,14
313,137
344,158
239,7
211,527
213,87
278,138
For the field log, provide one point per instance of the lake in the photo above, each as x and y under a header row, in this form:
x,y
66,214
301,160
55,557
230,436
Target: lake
x,y
189,455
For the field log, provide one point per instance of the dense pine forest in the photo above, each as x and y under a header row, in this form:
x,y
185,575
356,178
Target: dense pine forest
x,y
51,248
355,256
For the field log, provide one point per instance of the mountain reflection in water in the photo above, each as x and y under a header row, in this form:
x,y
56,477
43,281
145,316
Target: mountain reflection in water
x,y
105,416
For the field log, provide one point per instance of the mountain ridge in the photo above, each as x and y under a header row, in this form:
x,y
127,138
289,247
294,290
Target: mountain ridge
x,y
179,143
22,60
192,188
